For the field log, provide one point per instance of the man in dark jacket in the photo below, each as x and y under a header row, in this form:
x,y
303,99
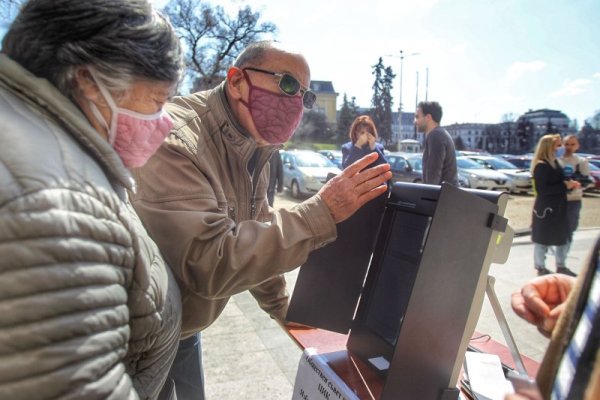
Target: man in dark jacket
x,y
439,155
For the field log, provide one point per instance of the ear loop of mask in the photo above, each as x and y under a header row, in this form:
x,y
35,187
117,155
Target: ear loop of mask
x,y
112,128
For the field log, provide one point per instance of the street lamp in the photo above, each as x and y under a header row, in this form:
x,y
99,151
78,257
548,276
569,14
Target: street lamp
x,y
402,55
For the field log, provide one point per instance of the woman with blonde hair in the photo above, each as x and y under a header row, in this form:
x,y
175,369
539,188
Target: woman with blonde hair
x,y
549,225
363,136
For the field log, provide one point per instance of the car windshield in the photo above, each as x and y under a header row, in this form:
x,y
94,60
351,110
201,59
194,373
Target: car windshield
x,y
312,160
521,162
416,163
467,163
498,163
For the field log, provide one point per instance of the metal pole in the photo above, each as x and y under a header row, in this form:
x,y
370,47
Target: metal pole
x,y
416,104
400,101
426,82
510,341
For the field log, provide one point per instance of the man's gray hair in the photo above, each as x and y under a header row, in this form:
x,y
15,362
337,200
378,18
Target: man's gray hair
x,y
123,40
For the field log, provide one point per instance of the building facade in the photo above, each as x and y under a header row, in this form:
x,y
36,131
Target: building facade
x,y
326,99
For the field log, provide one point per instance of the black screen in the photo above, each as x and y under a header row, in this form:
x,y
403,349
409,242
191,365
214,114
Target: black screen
x,y
398,267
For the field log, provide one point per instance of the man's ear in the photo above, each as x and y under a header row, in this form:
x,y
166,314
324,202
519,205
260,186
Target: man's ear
x,y
235,78
87,87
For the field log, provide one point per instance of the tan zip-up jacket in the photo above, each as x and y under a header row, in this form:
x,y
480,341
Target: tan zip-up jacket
x,y
210,216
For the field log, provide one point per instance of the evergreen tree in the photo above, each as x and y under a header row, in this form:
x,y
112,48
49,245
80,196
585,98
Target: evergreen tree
x,y
348,112
382,101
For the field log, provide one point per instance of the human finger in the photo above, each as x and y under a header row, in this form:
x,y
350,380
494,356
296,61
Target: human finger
x,y
534,300
360,164
520,308
369,180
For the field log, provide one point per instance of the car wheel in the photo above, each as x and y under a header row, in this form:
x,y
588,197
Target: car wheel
x,y
417,181
295,190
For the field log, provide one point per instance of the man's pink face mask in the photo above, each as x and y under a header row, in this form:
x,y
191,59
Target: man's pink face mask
x,y
275,115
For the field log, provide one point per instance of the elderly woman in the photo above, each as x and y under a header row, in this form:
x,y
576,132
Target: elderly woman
x,y
363,135
89,309
549,225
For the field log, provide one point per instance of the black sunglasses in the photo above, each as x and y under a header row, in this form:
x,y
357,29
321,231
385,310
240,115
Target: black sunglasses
x,y
291,86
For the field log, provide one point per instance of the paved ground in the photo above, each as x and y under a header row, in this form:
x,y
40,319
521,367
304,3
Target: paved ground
x,y
247,355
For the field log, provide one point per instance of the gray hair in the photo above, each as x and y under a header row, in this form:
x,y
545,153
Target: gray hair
x,y
124,41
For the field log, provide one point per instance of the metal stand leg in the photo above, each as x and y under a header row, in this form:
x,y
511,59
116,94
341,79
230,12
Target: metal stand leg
x,y
510,341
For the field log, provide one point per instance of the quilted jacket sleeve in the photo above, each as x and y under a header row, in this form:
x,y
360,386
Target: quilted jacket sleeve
x,y
65,263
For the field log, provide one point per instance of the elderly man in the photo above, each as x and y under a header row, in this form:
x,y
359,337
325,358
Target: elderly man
x,y
202,196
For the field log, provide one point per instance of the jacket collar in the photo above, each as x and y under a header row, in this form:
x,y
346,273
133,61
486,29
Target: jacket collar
x,y
41,94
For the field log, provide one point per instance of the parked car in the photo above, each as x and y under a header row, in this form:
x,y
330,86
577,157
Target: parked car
x,y
402,168
305,171
333,155
595,175
523,161
594,161
416,162
482,178
520,177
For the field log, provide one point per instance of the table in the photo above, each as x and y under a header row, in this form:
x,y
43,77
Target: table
x,y
361,378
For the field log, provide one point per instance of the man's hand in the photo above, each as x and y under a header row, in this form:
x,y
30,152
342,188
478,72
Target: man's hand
x,y
347,192
541,301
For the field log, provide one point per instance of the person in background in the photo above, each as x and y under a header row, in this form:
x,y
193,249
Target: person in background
x,y
90,309
574,167
439,154
549,226
275,177
202,196
567,310
363,140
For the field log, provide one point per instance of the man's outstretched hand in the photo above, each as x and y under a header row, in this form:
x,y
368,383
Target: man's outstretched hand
x,y
347,192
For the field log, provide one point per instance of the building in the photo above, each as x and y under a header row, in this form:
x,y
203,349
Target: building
x,y
472,135
326,99
532,125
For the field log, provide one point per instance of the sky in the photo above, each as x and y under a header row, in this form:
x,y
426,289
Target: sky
x,y
481,59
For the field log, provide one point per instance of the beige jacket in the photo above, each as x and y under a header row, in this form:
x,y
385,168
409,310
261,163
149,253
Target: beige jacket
x,y
210,216
87,305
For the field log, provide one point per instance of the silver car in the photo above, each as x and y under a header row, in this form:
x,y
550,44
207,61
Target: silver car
x,y
520,177
403,169
482,178
305,171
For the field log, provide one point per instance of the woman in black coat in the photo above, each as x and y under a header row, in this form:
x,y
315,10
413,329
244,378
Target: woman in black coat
x,y
549,217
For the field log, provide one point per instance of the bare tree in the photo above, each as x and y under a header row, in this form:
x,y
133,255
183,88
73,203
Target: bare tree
x,y
8,10
213,38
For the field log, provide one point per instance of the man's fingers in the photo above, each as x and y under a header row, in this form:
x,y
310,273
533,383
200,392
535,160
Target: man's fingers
x,y
361,164
371,194
373,182
379,174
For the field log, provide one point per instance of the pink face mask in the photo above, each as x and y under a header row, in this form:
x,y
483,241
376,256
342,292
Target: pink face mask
x,y
134,136
275,115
